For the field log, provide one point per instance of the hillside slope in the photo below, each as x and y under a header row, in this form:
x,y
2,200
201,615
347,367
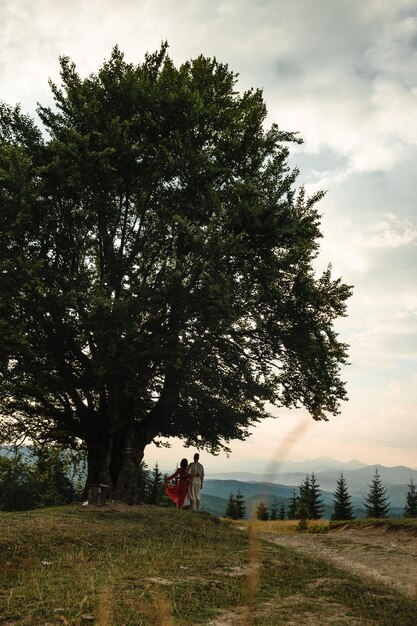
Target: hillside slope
x,y
143,566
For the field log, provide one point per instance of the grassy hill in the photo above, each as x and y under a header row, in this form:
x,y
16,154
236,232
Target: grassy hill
x,y
128,566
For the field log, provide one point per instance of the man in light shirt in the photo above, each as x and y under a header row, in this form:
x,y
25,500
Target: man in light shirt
x,y
195,485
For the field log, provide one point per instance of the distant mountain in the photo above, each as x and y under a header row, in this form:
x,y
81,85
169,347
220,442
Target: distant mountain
x,y
282,468
395,479
223,488
213,505
358,478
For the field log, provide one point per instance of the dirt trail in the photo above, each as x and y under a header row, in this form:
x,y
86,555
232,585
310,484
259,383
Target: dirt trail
x,y
387,556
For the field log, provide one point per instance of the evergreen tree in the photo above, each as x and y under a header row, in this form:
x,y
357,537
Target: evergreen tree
x,y
143,482
342,505
281,512
230,510
293,506
51,470
236,506
302,515
43,478
377,501
240,505
262,512
155,486
156,264
410,509
315,502
303,504
19,488
310,497
273,512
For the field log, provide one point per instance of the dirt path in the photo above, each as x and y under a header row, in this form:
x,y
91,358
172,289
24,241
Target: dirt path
x,y
389,557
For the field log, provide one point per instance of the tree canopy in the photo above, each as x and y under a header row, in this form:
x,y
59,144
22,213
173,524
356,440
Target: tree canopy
x,y
156,267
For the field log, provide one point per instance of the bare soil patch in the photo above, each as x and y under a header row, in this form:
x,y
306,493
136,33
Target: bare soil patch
x,y
386,556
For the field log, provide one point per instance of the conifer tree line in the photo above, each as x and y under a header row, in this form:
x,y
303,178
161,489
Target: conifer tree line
x,y
308,503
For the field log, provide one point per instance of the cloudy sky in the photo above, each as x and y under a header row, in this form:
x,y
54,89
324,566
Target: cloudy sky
x,y
344,74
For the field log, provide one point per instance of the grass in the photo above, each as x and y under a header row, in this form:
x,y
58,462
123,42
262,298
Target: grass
x,y
147,566
390,524
323,526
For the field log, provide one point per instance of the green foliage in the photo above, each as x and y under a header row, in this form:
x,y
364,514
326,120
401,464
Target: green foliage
x,y
310,499
410,508
273,510
50,467
143,482
155,490
302,525
156,267
342,505
19,488
262,512
42,480
235,506
293,506
281,512
230,506
376,501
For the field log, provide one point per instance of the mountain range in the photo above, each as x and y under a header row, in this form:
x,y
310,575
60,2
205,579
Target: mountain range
x,y
282,483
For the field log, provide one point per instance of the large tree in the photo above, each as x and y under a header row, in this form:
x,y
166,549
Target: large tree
x,y
156,267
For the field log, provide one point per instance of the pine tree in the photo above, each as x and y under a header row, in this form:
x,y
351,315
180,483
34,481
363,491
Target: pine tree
x,y
310,497
262,512
273,513
240,505
155,486
235,506
281,512
143,482
342,505
410,509
292,507
230,510
303,507
315,502
377,502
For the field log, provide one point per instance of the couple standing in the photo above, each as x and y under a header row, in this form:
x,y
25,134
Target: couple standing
x,y
189,483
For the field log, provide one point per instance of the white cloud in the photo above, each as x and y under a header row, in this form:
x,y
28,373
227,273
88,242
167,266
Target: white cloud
x,y
389,232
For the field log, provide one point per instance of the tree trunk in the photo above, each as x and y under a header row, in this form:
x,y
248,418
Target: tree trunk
x,y
126,458
99,450
114,462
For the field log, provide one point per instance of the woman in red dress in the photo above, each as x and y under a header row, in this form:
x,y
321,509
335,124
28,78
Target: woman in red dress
x,y
178,492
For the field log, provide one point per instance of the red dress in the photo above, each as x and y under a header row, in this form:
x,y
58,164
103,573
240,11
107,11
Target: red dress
x,y
178,492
